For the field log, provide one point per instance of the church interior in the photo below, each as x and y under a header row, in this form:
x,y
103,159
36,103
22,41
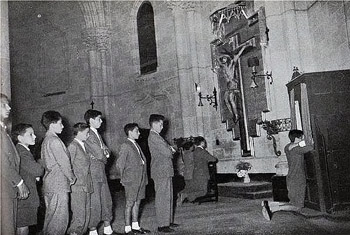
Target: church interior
x,y
239,73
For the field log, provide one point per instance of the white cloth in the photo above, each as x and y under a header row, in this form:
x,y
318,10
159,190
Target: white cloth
x,y
81,143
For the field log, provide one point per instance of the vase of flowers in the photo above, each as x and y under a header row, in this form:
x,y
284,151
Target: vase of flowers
x,y
243,168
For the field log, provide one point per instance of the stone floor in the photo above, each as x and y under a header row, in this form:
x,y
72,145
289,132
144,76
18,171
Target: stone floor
x,y
237,216
231,216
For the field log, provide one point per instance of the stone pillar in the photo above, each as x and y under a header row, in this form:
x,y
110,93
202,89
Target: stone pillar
x,y
4,50
188,68
97,42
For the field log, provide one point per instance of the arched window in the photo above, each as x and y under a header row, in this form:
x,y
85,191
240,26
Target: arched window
x,y
147,39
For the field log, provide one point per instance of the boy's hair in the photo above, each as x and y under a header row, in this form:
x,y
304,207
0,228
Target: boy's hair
x,y
50,117
295,134
155,118
130,127
78,127
187,145
198,140
19,129
3,97
91,113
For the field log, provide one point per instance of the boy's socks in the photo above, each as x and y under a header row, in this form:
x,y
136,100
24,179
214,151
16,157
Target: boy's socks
x,y
127,228
93,232
107,230
135,225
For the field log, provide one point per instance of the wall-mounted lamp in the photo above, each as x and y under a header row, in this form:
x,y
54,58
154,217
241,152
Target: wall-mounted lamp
x,y
252,63
212,99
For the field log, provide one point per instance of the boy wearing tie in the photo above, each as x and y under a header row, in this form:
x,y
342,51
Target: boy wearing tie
x,y
11,182
82,189
132,167
58,175
101,199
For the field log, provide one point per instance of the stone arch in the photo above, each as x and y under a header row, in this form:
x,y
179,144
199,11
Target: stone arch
x,y
96,13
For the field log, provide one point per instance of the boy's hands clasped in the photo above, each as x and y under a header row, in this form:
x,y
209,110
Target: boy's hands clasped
x,y
23,191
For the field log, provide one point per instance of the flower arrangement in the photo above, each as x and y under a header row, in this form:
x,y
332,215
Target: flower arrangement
x,y
243,168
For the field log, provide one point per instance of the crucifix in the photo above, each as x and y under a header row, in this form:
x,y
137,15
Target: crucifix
x,y
92,104
229,60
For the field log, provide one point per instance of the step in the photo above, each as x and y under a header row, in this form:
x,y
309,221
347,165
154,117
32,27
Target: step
x,y
239,187
252,190
250,195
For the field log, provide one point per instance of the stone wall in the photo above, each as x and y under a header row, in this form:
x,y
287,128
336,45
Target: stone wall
x,y
49,66
5,86
329,30
54,67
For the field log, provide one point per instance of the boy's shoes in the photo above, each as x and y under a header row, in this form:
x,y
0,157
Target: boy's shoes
x,y
140,231
173,225
266,211
129,233
165,229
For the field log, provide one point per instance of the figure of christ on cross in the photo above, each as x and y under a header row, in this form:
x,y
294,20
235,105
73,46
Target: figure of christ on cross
x,y
228,61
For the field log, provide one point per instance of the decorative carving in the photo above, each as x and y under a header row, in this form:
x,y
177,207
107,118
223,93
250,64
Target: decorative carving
x,y
97,38
223,16
102,38
89,39
184,5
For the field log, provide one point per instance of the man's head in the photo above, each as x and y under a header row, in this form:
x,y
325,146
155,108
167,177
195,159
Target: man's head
x,y
296,136
81,131
52,120
4,108
23,133
132,131
93,118
200,141
188,145
156,122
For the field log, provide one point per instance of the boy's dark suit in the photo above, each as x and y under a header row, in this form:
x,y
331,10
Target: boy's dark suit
x,y
56,184
101,199
29,170
10,178
81,190
162,172
132,166
198,185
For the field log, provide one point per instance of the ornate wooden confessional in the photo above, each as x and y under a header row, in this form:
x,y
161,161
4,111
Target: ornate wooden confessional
x,y
320,106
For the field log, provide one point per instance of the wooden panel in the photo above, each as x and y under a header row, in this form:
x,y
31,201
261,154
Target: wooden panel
x,y
328,180
312,199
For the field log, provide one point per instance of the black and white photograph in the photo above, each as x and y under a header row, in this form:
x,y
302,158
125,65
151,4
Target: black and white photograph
x,y
175,117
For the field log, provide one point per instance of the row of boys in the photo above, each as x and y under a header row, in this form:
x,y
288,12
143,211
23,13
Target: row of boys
x,y
78,170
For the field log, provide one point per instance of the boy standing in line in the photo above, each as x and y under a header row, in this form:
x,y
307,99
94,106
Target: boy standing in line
x,y
11,182
162,172
23,135
82,189
58,175
101,199
132,167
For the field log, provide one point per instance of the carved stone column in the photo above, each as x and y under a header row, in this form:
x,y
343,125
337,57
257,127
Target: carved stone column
x,y
188,67
97,41
4,50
